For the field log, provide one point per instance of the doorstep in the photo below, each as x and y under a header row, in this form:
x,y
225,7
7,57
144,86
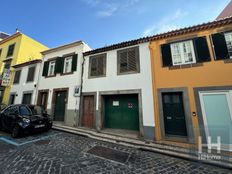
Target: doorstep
x,y
181,152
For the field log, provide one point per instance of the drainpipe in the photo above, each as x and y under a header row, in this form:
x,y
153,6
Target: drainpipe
x,y
82,73
38,79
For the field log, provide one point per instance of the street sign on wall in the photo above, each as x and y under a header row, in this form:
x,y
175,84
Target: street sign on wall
x,y
6,77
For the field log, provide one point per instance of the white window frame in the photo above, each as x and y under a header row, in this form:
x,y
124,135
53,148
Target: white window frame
x,y
49,69
69,69
228,38
182,53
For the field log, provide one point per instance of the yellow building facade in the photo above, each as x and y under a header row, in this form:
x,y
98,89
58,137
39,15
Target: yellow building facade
x,y
192,84
16,49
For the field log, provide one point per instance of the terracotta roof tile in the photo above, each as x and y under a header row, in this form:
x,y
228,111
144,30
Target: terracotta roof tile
x,y
227,11
194,28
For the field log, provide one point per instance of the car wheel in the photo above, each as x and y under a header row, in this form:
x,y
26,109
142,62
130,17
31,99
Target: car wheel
x,y
15,132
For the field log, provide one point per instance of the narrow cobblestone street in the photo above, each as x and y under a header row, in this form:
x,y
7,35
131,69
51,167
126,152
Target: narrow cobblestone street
x,y
59,152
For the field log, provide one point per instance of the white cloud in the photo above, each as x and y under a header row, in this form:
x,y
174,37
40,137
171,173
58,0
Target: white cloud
x,y
110,7
167,23
109,10
92,2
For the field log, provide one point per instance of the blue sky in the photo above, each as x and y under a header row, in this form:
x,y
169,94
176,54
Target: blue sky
x,y
102,22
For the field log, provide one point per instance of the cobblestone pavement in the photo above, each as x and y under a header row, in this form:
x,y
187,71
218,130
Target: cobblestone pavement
x,y
67,153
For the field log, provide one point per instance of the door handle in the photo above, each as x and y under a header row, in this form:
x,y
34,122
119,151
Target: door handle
x,y
169,118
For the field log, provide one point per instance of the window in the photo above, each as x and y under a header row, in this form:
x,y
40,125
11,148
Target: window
x,y
7,65
0,52
17,76
183,53
10,51
11,110
27,98
128,61
24,111
67,65
36,110
31,74
12,99
97,65
51,70
228,37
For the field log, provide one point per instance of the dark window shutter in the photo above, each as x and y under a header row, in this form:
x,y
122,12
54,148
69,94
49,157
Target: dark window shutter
x,y
31,74
17,76
166,55
45,68
93,66
201,49
123,63
220,47
10,50
132,60
100,64
128,60
97,65
59,65
74,62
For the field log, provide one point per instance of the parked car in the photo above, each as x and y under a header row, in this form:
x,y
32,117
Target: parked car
x,y
21,119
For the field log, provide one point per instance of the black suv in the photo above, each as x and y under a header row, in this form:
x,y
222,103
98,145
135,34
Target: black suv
x,y
20,119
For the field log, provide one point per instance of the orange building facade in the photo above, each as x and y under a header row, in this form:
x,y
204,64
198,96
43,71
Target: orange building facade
x,y
192,84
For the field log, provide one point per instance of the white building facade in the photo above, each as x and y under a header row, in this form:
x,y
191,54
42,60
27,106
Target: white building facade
x,y
117,90
60,81
23,90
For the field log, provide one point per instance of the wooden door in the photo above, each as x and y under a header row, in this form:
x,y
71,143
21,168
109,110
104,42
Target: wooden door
x,y
42,99
88,112
60,103
174,115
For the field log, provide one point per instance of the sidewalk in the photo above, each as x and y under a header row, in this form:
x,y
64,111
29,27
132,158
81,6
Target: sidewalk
x,y
189,154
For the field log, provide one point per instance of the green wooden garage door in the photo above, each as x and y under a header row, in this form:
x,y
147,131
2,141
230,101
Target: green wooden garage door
x,y
122,112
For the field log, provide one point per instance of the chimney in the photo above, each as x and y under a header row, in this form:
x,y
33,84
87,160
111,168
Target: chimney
x,y
17,30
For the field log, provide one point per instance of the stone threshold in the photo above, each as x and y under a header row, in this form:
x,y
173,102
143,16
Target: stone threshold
x,y
180,152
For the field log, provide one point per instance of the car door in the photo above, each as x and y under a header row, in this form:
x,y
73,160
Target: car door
x,y
9,117
5,119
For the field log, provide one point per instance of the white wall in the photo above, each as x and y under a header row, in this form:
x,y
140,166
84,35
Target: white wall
x,y
64,81
112,81
24,86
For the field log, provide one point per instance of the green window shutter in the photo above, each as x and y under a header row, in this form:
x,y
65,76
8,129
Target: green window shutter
x,y
74,62
166,55
201,49
220,47
45,68
59,65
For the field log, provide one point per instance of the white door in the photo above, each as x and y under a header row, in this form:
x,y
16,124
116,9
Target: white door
x,y
217,116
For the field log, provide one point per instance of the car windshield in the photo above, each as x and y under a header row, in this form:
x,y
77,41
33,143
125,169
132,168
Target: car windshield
x,y
25,111
36,110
